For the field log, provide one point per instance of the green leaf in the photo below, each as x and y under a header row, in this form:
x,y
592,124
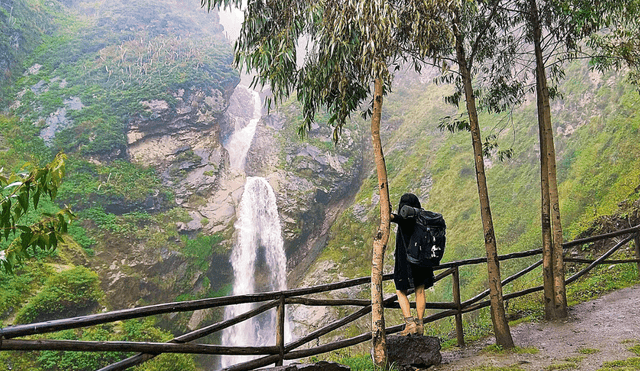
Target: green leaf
x,y
24,228
14,184
53,240
23,199
36,198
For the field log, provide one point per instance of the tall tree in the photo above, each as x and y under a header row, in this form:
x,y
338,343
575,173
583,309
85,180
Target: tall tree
x,y
553,264
352,46
554,29
477,29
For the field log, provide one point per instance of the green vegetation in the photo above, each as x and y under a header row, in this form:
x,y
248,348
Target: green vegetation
x,y
603,279
101,63
120,181
575,359
131,330
438,167
76,290
113,70
635,349
20,144
201,248
112,73
24,25
23,226
15,287
626,365
588,350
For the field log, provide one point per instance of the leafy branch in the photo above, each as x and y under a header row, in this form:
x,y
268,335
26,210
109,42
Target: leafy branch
x,y
19,193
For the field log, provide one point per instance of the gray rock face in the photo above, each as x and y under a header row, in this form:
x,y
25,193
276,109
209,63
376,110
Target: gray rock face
x,y
311,178
320,366
183,142
408,352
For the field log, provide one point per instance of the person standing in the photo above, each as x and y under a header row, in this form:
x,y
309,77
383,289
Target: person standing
x,y
407,275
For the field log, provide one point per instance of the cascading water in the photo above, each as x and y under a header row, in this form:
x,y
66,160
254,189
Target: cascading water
x,y
259,233
239,142
259,250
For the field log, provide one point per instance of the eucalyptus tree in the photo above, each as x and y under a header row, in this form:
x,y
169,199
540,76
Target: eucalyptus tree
x,y
619,46
553,29
480,46
351,48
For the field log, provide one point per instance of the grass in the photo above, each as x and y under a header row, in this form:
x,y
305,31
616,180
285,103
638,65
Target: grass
x,y
635,349
630,364
588,351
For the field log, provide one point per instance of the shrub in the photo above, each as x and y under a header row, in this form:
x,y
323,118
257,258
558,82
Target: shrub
x,y
69,293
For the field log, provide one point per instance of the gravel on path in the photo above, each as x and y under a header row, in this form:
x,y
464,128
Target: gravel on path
x,y
610,325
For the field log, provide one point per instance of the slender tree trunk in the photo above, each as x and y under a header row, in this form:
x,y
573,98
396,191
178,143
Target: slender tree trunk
x,y
560,293
547,247
546,135
379,341
500,323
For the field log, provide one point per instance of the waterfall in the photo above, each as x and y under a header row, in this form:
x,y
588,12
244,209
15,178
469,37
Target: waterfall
x,y
259,238
258,259
239,142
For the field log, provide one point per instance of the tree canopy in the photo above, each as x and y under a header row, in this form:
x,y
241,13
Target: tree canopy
x,y
329,52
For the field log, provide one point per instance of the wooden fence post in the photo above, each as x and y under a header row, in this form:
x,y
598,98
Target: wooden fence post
x,y
637,243
280,331
457,302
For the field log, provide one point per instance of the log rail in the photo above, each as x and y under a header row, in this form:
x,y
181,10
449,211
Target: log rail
x,y
279,352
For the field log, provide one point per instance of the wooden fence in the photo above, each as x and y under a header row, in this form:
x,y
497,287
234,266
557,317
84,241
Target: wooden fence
x,y
279,352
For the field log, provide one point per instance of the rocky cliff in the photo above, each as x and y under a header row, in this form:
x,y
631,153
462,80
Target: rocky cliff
x,y
143,100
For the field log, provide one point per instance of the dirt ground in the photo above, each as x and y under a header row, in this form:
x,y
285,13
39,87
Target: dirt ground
x,y
610,324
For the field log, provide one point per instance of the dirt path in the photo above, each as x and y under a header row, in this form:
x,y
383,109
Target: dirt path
x,y
610,324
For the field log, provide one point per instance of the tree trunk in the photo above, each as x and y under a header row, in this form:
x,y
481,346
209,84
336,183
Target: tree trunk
x,y
545,219
546,135
379,341
500,324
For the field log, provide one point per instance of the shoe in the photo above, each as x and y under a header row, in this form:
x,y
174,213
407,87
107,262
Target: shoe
x,y
419,327
409,327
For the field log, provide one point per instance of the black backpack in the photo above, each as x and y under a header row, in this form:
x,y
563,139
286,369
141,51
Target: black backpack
x,y
426,245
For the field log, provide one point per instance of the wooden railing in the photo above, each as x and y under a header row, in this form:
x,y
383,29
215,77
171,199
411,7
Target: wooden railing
x,y
280,351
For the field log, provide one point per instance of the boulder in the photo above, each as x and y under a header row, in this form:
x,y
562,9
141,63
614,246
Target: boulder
x,y
409,352
320,366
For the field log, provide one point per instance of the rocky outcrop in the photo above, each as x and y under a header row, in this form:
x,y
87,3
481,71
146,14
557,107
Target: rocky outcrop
x,y
411,352
181,141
